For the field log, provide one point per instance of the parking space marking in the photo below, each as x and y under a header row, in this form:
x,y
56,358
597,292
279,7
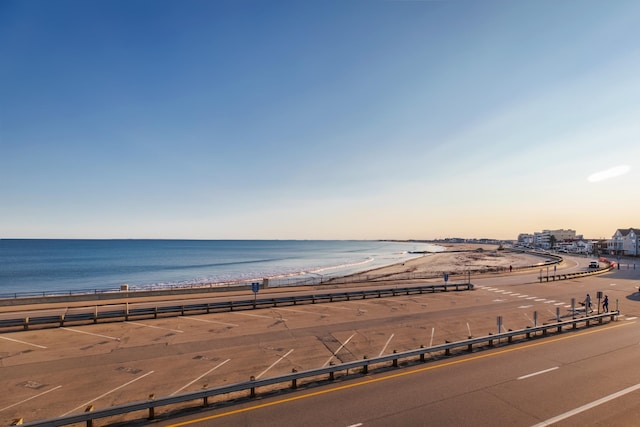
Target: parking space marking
x,y
273,364
339,348
523,296
22,342
258,315
385,345
203,375
90,333
550,301
298,311
337,307
525,306
558,303
156,327
208,321
84,405
540,299
30,398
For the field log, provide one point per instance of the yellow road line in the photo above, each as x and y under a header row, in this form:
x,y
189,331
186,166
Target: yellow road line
x,y
398,375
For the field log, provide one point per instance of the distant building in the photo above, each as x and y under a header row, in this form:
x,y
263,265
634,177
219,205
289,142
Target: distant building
x,y
625,241
547,239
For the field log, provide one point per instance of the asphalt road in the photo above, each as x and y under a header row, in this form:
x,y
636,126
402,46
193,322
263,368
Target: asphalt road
x,y
49,373
585,378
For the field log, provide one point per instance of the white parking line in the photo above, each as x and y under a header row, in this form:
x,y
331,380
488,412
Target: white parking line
x,y
385,345
208,321
23,342
550,301
588,406
339,348
205,374
91,333
523,296
298,311
540,299
273,364
532,297
30,398
525,306
258,315
538,373
84,405
155,327
337,307
558,303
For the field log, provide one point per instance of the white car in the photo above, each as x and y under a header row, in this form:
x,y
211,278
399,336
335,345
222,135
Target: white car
x,y
594,264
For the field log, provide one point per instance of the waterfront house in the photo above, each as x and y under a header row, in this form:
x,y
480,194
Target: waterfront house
x,y
625,241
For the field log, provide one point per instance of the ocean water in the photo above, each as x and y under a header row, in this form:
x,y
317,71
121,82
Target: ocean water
x,y
28,266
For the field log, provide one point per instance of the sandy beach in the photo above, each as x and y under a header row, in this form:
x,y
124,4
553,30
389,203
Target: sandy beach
x,y
456,260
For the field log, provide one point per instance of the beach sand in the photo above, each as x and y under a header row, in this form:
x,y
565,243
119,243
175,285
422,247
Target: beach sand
x,y
457,259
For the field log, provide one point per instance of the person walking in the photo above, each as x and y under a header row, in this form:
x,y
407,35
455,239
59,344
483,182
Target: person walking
x,y
605,304
587,304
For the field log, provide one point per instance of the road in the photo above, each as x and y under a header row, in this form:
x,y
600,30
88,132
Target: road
x,y
50,373
584,378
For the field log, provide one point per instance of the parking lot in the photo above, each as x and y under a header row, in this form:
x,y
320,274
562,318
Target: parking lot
x,y
53,372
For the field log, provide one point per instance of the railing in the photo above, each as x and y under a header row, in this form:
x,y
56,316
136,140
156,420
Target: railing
x,y
364,365
126,313
567,276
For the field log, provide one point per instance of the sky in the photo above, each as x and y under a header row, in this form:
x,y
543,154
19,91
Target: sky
x,y
318,119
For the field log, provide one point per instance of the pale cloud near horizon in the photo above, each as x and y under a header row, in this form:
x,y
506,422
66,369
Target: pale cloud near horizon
x,y
613,172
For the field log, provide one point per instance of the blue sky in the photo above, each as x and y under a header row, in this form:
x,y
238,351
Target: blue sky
x,y
318,120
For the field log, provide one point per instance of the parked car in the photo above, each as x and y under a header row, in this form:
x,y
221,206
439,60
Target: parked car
x,y
594,264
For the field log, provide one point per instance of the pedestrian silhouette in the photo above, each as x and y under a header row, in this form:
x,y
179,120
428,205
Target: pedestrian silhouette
x,y
587,304
605,304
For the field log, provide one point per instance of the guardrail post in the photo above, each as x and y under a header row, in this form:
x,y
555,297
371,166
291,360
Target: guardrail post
x,y
365,368
331,374
395,361
528,334
62,320
510,338
294,382
422,354
89,409
252,393
152,409
490,340
155,312
26,323
313,299
205,400
470,346
95,315
447,351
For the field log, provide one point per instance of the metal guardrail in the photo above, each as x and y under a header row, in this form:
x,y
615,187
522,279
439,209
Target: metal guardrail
x,y
149,405
219,306
567,276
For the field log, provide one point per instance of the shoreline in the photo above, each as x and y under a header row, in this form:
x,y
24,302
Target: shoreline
x,y
457,259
